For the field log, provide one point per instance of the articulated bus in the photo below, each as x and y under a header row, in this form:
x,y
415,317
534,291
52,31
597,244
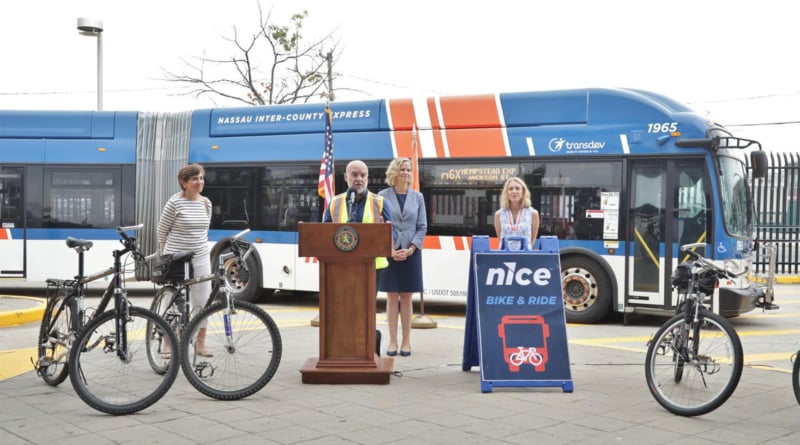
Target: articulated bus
x,y
622,177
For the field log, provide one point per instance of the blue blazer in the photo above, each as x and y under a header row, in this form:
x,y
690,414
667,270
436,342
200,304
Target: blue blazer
x,y
411,224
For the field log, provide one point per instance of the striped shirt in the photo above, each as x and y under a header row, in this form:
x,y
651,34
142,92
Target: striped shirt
x,y
184,225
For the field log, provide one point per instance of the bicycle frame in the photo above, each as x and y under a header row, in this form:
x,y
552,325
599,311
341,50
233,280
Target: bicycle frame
x,y
121,303
240,248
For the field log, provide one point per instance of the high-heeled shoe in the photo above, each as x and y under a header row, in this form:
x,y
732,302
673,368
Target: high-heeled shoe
x,y
391,353
405,353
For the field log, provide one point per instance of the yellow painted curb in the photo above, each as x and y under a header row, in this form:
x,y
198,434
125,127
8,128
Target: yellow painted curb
x,y
787,279
22,316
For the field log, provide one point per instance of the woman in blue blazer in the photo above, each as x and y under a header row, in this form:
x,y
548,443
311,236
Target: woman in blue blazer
x,y
403,277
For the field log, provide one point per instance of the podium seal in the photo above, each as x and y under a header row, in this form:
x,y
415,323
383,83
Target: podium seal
x,y
345,239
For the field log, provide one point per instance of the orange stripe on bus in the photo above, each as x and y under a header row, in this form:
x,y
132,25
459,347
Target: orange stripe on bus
x,y
402,110
403,120
473,126
470,112
458,242
436,125
432,242
476,143
434,113
4,234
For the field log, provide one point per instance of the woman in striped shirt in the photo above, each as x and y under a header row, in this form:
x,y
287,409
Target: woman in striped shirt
x,y
184,226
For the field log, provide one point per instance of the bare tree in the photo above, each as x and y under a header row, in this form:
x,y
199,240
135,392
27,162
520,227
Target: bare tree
x,y
274,65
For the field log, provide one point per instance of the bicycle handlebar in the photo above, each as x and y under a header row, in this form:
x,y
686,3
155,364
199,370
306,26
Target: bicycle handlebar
x,y
241,234
237,247
129,242
121,230
708,264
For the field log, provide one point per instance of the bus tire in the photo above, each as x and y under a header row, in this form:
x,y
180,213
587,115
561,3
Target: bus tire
x,y
244,282
586,290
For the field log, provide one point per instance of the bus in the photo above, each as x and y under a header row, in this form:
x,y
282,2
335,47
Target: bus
x,y
621,177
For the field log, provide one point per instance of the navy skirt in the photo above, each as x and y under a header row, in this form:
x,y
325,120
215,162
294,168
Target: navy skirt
x,y
402,276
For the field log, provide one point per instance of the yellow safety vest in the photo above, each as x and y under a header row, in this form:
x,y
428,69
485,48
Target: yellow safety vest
x,y
374,206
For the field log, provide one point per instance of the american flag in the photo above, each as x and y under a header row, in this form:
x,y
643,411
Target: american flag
x,y
326,187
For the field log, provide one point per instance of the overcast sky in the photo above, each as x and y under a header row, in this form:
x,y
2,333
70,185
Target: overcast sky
x,y
732,60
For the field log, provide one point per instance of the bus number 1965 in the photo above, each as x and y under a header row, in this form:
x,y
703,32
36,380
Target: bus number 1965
x,y
662,127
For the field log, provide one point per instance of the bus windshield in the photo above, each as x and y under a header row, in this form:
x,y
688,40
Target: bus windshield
x,y
737,207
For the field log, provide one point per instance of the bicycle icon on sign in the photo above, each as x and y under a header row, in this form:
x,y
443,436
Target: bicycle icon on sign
x,y
524,356
524,340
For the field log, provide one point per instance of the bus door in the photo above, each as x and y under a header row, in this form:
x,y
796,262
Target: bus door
x,y
12,229
668,203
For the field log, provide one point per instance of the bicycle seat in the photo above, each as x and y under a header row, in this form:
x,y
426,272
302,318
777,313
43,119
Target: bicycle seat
x,y
79,244
185,255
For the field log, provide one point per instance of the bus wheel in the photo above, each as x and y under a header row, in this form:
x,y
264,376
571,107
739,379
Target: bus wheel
x,y
242,280
586,288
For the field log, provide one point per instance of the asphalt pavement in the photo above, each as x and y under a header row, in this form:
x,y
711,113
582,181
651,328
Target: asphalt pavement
x,y
429,399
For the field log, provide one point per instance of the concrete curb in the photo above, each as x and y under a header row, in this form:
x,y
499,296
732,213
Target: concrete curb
x,y
15,310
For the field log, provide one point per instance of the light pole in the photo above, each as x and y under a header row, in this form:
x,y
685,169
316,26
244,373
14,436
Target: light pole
x,y
94,27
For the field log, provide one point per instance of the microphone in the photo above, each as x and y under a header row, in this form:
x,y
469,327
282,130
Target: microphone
x,y
351,201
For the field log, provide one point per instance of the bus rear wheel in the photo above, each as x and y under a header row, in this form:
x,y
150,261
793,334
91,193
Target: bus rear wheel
x,y
586,290
244,281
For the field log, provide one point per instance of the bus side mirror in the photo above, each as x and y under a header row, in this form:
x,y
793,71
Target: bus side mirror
x,y
758,160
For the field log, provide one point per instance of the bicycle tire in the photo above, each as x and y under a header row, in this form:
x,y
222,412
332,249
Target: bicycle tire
x,y
796,376
114,386
55,336
707,379
165,307
245,368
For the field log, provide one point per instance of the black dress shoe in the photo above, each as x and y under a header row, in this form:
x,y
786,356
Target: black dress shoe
x,y
392,353
405,353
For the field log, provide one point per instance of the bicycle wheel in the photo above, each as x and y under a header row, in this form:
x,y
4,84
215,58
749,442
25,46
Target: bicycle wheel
x,y
164,305
243,362
114,385
796,376
54,341
698,378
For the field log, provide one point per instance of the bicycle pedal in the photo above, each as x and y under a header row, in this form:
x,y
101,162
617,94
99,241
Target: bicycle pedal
x,y
767,306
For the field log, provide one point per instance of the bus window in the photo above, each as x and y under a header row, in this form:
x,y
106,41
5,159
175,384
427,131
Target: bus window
x,y
81,198
736,208
691,204
230,190
288,195
10,197
461,198
563,192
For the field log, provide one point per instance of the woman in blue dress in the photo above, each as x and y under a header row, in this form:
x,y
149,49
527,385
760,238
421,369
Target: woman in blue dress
x,y
403,277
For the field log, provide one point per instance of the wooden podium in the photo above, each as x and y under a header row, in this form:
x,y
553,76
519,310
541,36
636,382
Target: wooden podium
x,y
347,288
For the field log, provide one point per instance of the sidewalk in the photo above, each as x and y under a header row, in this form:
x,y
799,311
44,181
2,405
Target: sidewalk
x,y
428,400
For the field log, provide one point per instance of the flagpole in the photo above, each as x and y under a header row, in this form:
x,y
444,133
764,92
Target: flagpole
x,y
420,321
326,187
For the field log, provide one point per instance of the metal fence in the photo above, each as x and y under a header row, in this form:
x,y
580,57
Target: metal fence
x,y
777,212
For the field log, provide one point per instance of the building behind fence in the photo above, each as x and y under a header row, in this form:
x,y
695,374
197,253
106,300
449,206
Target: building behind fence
x,y
777,212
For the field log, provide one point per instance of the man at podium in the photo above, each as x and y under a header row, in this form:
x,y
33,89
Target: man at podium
x,y
357,204
349,251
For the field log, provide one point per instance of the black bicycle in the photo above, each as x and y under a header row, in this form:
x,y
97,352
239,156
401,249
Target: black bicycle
x,y
65,315
108,360
243,341
694,361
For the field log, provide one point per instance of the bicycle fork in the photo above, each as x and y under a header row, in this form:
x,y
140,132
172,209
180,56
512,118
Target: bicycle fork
x,y
122,316
226,319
